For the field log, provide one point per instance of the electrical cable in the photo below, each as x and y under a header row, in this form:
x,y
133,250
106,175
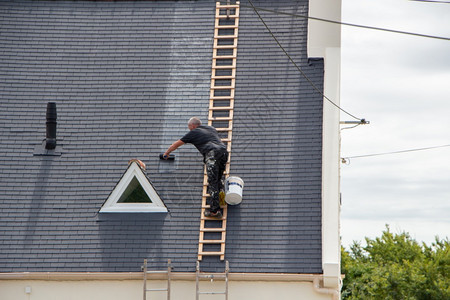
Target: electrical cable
x,y
351,127
298,68
347,24
344,159
431,1
394,152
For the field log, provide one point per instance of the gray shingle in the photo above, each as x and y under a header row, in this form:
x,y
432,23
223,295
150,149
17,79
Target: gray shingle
x,y
126,76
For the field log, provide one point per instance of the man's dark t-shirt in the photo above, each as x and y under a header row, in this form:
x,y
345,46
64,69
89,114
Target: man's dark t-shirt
x,y
205,139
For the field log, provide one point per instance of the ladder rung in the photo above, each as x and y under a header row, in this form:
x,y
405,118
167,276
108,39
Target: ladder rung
x,y
223,77
156,290
220,119
220,229
227,17
234,36
220,98
224,129
212,293
203,220
211,253
224,67
156,272
226,26
222,87
236,17
225,47
222,108
212,242
224,56
212,275
228,6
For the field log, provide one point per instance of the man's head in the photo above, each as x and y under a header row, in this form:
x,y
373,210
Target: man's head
x,y
194,122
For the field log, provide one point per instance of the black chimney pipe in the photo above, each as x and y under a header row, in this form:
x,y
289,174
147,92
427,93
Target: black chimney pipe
x,y
50,141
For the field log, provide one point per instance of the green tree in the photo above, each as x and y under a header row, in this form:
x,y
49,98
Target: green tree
x,y
395,266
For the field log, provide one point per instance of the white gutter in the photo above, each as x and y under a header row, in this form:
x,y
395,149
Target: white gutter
x,y
61,276
327,291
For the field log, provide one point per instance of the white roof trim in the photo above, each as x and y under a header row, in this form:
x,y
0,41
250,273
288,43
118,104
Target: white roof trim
x,y
133,170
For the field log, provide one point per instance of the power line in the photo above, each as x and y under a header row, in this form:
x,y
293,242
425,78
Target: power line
x,y
348,24
395,152
298,68
431,1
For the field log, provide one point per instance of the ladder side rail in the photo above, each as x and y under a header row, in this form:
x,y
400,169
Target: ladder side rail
x,y
145,279
227,271
169,275
197,273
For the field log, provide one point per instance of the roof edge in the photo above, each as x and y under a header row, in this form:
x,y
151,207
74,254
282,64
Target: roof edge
x,y
187,276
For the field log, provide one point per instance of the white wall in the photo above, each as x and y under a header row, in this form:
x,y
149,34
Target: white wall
x,y
133,290
322,35
324,40
331,173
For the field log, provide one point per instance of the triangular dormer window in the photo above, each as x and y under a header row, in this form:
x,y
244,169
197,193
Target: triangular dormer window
x,y
134,193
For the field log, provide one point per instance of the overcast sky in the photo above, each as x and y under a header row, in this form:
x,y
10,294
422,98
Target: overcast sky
x,y
401,84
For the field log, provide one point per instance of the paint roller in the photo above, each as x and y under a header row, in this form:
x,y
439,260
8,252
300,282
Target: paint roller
x,y
170,157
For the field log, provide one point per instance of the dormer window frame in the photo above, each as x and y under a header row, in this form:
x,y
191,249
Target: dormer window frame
x,y
112,205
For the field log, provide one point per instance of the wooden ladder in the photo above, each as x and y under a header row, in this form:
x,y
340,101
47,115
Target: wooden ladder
x,y
221,105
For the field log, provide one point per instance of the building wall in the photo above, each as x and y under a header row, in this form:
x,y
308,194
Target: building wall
x,y
133,289
324,41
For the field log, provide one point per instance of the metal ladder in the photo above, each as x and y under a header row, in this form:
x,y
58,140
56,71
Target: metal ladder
x,y
211,276
168,272
221,106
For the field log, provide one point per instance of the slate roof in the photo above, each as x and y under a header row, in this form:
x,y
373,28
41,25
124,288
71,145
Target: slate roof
x,y
126,77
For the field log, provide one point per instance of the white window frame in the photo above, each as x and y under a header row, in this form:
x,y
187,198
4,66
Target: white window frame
x,y
111,204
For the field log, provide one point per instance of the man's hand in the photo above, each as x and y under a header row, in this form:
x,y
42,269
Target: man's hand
x,y
139,162
173,147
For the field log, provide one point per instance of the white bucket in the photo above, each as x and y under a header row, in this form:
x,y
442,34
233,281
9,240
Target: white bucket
x,y
233,190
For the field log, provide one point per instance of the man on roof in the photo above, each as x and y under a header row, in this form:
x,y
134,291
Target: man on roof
x,y
215,155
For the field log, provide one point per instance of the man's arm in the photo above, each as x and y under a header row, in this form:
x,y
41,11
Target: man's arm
x,y
173,147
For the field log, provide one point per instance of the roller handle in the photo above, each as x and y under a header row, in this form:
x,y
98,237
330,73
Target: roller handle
x,y
171,156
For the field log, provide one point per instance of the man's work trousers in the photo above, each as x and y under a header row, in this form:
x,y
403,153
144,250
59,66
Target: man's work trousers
x,y
215,162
